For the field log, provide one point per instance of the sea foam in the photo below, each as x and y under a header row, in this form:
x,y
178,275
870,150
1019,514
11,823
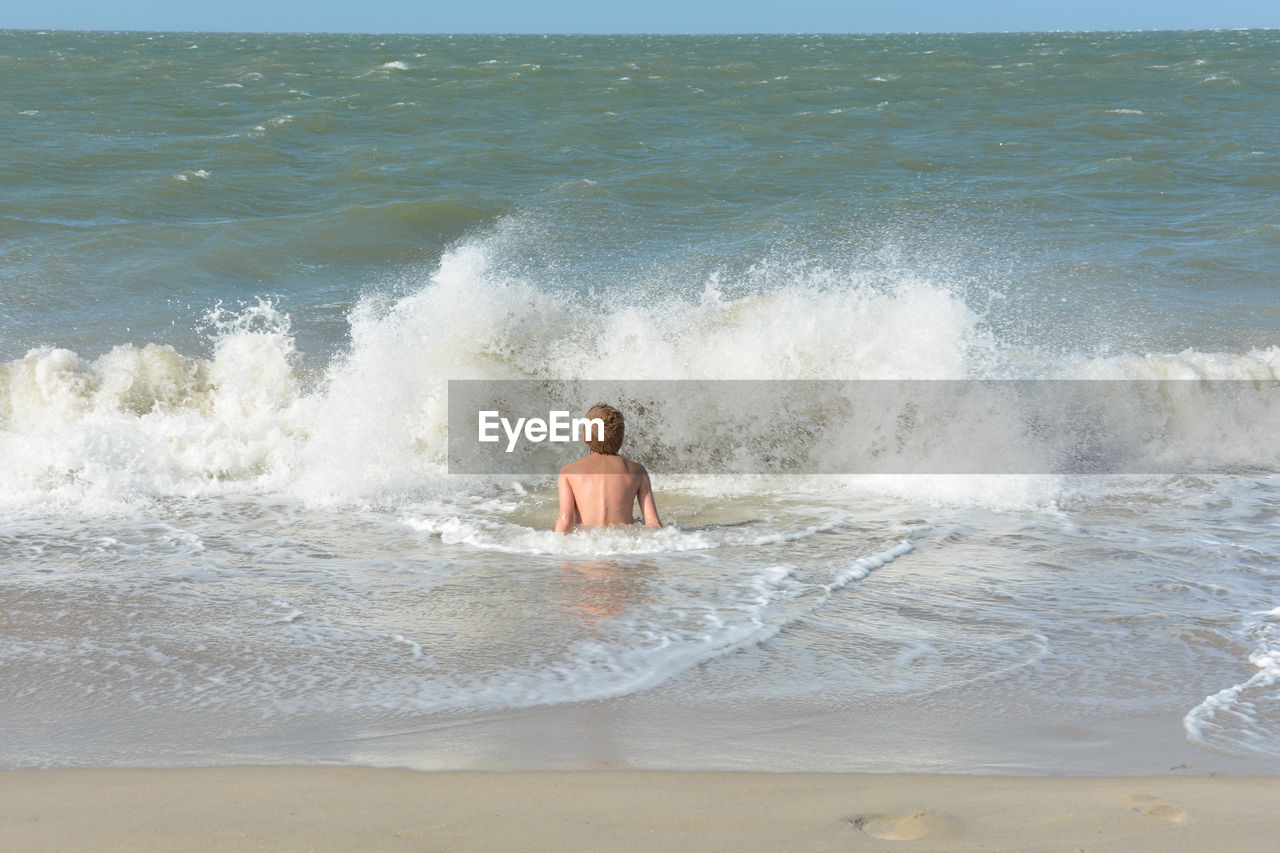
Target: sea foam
x,y
1242,719
140,422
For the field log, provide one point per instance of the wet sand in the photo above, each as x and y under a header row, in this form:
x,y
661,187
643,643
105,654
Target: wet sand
x,y
353,808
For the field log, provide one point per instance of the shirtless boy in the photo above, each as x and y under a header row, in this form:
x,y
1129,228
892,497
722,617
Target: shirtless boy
x,y
602,487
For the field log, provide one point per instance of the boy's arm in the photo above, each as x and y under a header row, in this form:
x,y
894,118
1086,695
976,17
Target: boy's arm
x,y
568,507
648,507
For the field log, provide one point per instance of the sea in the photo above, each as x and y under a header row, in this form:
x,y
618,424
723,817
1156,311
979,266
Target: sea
x,y
239,271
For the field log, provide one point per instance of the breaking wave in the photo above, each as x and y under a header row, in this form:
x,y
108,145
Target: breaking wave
x,y
144,422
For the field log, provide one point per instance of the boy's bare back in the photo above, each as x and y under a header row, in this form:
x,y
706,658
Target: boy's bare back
x,y
603,487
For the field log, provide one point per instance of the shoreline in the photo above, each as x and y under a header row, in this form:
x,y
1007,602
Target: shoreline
x,y
359,808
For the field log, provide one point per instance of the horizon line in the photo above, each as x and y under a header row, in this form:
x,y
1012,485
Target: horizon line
x,y
815,33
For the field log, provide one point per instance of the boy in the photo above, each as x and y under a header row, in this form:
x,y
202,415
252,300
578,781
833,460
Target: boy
x,y
602,487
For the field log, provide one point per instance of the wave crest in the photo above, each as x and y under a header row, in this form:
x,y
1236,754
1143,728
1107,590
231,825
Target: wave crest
x,y
145,422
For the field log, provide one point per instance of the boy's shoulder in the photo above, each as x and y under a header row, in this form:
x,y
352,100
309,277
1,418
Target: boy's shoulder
x,y
577,466
615,464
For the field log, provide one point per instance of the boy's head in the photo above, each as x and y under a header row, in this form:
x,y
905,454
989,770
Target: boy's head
x,y
613,429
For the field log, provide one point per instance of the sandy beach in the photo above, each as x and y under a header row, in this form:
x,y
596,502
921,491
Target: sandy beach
x,y
351,808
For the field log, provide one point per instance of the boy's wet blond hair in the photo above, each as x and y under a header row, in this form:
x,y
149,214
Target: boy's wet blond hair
x,y
613,429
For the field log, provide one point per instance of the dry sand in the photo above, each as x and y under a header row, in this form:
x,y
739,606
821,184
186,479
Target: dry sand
x,y
352,808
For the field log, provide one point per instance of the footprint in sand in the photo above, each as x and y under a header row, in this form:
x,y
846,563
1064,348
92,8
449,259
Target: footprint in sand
x,y
1150,806
906,827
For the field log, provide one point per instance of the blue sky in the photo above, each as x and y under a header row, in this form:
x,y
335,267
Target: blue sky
x,y
655,16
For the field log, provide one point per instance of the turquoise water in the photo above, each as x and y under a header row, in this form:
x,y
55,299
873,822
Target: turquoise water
x,y
1133,174
237,271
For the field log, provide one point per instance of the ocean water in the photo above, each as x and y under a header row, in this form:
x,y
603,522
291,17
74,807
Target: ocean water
x,y
238,271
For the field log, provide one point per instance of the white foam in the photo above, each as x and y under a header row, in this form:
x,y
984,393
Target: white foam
x,y
414,647
140,422
1244,718
1255,365
493,535
864,566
